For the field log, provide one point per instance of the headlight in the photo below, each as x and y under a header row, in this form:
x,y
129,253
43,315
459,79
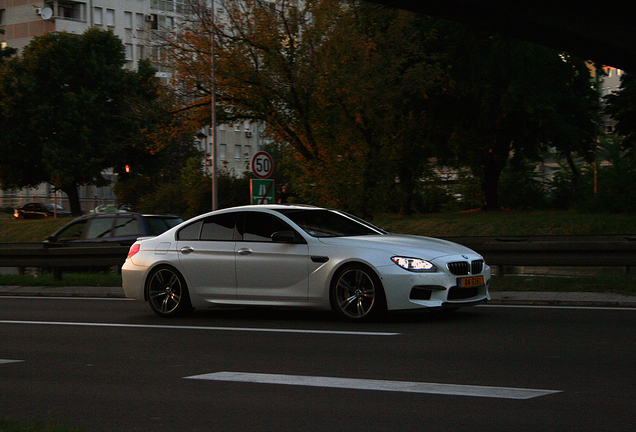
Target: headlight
x,y
414,264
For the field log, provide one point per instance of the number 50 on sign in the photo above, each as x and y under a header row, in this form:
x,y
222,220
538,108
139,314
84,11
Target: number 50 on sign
x,y
262,165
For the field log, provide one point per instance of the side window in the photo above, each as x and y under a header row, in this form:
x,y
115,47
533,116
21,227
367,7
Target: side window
x,y
190,232
127,226
73,232
219,228
261,226
100,228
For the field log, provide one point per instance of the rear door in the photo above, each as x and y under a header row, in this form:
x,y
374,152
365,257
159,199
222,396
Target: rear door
x,y
207,256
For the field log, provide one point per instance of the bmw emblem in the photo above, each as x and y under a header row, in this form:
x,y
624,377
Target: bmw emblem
x,y
465,256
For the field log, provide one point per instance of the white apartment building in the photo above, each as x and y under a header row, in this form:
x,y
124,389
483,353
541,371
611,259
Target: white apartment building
x,y
136,23
132,20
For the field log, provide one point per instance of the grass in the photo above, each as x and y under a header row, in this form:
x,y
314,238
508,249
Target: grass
x,y
28,230
509,223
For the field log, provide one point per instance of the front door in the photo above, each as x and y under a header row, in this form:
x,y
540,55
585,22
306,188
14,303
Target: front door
x,y
267,271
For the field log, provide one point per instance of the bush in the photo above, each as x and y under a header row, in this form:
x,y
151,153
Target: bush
x,y
519,187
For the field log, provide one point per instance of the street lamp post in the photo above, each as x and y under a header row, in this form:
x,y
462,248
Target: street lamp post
x,y
215,198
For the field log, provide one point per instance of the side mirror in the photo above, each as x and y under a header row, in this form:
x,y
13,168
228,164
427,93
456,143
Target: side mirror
x,y
285,237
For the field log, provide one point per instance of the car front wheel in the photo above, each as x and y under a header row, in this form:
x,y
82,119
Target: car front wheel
x,y
357,294
167,293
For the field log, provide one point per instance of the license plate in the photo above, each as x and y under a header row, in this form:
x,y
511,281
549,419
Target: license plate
x,y
468,282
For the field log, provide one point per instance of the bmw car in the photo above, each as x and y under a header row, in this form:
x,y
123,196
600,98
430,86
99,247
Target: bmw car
x,y
300,256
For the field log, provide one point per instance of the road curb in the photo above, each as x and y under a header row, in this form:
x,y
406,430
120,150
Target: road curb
x,y
562,299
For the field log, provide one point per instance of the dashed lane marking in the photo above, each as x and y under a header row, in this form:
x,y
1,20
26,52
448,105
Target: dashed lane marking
x,y
381,385
4,361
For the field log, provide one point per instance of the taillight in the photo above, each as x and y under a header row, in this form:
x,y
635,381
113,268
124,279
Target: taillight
x,y
133,250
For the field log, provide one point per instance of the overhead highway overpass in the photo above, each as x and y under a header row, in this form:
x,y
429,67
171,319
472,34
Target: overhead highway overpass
x,y
600,31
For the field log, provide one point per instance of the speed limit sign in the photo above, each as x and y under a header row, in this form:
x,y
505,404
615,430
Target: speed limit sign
x,y
262,165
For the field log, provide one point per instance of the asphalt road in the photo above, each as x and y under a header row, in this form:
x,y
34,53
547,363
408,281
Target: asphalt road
x,y
111,365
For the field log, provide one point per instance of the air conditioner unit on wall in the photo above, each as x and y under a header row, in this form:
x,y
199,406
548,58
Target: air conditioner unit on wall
x,y
38,11
150,18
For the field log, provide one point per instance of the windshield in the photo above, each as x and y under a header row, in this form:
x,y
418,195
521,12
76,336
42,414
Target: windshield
x,y
330,223
52,206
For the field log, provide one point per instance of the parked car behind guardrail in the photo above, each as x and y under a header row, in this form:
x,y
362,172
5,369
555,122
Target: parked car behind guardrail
x,y
114,228
40,211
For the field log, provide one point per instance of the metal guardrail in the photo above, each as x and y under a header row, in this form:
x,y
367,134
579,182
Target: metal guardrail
x,y
555,251
59,258
543,251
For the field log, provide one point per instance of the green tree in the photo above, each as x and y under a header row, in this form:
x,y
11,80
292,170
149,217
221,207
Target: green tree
x,y
515,98
6,52
67,108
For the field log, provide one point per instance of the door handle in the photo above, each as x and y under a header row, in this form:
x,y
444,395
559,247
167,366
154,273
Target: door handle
x,y
244,251
186,249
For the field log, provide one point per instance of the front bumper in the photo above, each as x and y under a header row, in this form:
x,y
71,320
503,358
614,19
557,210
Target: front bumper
x,y
406,290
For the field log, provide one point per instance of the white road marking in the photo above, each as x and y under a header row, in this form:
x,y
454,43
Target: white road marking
x,y
364,384
3,361
240,329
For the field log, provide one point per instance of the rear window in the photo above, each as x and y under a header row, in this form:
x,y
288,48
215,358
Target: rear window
x,y
158,226
127,226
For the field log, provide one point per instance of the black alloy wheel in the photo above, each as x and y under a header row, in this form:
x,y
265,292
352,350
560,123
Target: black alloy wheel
x,y
167,293
357,294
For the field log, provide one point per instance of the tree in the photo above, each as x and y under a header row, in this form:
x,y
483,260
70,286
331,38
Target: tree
x,y
66,105
332,80
513,97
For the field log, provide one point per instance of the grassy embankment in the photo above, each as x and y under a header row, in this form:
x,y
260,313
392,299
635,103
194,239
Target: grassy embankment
x,y
503,223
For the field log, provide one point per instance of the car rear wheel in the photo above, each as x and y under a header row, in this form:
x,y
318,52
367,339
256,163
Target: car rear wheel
x,y
357,294
167,293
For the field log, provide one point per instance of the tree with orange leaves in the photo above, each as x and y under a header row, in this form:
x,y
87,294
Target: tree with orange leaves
x,y
332,80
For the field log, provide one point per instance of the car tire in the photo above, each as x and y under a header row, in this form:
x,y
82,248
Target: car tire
x,y
357,294
167,293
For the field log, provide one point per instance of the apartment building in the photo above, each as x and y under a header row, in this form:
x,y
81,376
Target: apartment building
x,y
137,23
134,21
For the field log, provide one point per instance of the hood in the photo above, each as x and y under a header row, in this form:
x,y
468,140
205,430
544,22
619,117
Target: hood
x,y
415,246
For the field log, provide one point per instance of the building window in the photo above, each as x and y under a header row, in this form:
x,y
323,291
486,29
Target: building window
x,y
139,21
110,17
169,23
128,20
128,49
237,152
97,16
74,11
222,151
140,52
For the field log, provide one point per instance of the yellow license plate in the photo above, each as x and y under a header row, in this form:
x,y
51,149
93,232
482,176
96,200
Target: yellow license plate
x,y
468,282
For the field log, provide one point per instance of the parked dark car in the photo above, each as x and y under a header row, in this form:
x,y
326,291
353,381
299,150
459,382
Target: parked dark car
x,y
112,228
40,211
